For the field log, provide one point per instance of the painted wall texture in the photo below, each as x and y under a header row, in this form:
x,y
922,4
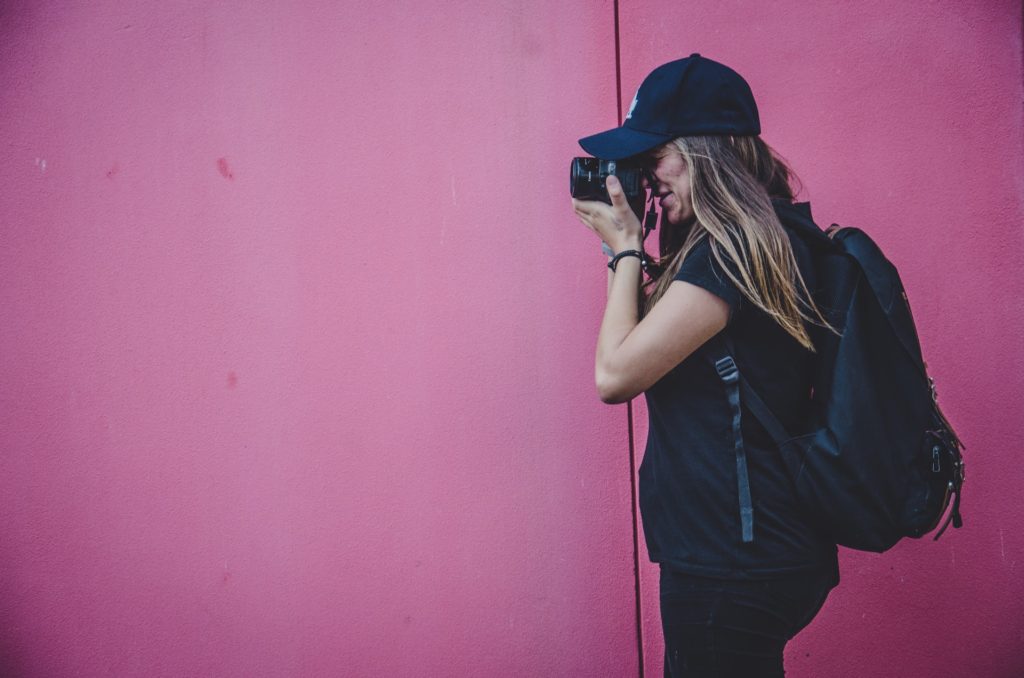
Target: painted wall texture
x,y
297,343
298,328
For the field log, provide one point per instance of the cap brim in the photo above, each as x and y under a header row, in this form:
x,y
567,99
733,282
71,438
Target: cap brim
x,y
621,142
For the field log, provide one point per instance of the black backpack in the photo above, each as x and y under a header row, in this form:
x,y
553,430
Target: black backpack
x,y
877,460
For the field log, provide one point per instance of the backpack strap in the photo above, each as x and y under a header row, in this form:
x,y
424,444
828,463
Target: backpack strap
x,y
797,216
954,516
726,368
730,375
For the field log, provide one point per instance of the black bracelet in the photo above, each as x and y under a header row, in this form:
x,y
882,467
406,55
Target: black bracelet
x,y
626,253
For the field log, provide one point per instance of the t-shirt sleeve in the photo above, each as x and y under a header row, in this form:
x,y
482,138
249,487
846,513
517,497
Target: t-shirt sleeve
x,y
702,269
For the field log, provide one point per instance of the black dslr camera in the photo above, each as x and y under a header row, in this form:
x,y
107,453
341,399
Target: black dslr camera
x,y
587,177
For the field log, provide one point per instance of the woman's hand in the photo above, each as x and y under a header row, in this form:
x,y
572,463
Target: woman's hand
x,y
616,224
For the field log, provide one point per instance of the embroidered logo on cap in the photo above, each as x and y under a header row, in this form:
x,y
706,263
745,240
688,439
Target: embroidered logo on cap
x,y
632,105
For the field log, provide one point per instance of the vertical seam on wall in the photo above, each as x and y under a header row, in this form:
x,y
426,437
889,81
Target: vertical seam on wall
x,y
636,539
618,65
629,405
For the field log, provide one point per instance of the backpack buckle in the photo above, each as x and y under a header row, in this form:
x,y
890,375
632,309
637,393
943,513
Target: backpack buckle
x,y
727,369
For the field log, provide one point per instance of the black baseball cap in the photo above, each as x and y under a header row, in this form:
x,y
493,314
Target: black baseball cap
x,y
686,97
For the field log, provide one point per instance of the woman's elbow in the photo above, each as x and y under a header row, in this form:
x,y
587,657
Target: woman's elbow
x,y
611,390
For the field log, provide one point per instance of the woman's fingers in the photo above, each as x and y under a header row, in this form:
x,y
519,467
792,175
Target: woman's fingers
x,y
607,221
580,208
615,192
582,214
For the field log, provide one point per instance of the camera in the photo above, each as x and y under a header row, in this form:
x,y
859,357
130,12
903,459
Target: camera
x,y
587,177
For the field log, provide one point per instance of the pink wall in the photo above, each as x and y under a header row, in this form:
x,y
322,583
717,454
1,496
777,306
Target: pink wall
x,y
296,358
297,343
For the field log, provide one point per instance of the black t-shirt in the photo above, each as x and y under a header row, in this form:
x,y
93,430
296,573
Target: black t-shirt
x,y
689,500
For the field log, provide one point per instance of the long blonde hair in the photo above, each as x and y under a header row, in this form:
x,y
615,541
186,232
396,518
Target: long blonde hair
x,y
732,183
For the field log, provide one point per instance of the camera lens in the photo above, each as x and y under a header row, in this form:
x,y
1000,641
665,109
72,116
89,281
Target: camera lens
x,y
587,179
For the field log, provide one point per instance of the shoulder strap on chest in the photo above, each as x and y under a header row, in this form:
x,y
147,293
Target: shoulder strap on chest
x,y
722,357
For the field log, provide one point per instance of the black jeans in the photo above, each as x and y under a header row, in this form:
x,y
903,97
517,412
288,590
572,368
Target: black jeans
x,y
724,627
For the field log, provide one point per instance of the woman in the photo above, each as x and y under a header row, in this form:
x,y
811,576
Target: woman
x,y
738,578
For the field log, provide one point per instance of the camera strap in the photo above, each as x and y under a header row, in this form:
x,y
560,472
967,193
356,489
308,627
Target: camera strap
x,y
651,220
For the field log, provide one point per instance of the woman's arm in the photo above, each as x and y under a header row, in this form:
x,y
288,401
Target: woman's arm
x,y
632,355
